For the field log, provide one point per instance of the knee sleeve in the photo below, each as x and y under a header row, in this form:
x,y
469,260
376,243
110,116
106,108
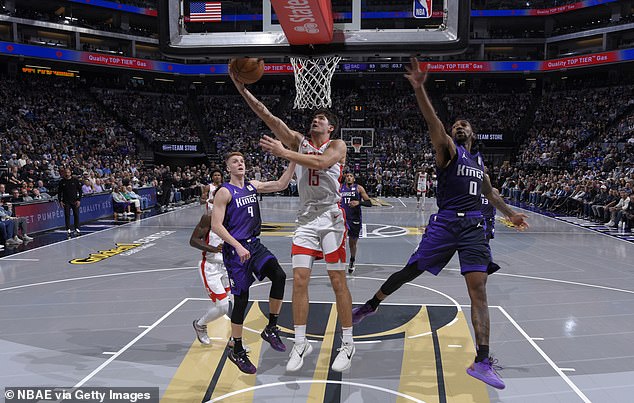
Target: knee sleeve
x,y
273,271
240,303
396,280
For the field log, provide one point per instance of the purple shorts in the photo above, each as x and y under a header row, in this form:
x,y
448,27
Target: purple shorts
x,y
449,232
242,275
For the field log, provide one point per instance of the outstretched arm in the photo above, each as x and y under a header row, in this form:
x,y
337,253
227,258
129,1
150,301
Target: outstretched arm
x,y
365,199
199,236
336,152
443,144
290,138
492,194
278,185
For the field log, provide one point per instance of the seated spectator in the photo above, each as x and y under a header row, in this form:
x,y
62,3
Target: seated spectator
x,y
15,196
13,178
7,232
19,223
41,187
123,191
87,188
617,209
26,197
97,187
37,195
612,200
596,205
121,204
144,201
3,192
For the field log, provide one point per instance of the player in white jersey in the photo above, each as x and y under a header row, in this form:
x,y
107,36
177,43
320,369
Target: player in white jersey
x,y
212,273
207,196
212,269
421,188
321,226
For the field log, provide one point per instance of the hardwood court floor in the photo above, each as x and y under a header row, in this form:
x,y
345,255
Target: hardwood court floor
x,y
562,317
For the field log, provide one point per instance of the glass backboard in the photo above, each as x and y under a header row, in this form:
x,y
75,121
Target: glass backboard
x,y
196,29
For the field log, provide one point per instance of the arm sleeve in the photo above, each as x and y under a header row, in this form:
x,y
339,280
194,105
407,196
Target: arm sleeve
x,y
366,203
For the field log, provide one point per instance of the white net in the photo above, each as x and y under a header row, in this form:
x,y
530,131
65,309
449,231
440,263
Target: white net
x,y
357,143
312,81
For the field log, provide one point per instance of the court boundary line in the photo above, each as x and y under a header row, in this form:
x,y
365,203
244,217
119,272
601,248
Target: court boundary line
x,y
149,328
575,225
314,381
288,264
130,344
86,234
545,356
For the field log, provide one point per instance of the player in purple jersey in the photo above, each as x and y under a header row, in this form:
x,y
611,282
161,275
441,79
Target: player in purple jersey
x,y
457,227
488,213
353,196
236,219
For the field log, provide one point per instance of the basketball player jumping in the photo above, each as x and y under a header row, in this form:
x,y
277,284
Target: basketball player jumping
x,y
236,219
457,227
353,196
321,225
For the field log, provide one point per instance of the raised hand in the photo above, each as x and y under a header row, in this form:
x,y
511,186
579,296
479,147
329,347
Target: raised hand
x,y
272,145
415,75
239,85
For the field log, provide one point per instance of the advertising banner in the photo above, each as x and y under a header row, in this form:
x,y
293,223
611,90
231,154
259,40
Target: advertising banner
x,y
47,215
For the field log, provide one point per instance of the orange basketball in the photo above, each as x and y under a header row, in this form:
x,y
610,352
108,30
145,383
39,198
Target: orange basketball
x,y
247,70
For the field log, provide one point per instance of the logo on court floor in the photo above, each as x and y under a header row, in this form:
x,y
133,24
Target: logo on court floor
x,y
425,348
122,248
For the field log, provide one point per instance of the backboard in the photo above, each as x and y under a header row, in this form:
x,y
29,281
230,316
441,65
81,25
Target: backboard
x,y
352,135
223,28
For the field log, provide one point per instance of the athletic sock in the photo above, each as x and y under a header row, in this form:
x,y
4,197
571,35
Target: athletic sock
x,y
300,334
483,352
374,302
237,345
272,320
347,335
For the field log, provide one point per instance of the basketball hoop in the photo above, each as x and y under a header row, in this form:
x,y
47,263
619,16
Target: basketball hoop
x,y
312,81
357,143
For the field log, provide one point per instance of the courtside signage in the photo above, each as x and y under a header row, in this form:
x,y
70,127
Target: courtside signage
x,y
41,52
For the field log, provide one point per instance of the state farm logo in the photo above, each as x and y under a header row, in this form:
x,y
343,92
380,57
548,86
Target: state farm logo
x,y
300,11
309,28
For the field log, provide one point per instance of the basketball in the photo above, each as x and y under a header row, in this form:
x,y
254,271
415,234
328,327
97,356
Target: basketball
x,y
247,70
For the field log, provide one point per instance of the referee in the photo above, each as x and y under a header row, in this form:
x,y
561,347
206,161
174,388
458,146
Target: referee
x,y
69,195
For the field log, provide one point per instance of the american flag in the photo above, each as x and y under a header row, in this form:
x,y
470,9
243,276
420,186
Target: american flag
x,y
205,11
